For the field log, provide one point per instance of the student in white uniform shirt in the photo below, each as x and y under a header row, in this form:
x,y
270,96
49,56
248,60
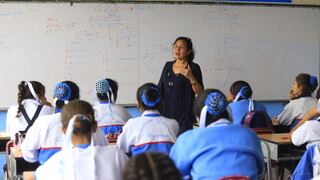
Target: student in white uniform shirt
x,y
85,154
45,137
301,101
151,132
31,98
110,116
309,131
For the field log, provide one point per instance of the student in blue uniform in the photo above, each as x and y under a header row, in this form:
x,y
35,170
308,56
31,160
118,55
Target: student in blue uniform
x,y
151,132
180,80
32,104
45,137
301,100
110,116
241,94
217,148
309,165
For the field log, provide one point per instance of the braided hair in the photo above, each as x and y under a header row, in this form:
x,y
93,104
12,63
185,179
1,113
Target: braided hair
x,y
25,93
151,166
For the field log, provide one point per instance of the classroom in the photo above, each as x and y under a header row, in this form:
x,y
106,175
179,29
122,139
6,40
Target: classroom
x,y
266,43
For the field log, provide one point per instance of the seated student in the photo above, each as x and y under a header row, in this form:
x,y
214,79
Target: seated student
x,y
32,104
111,117
308,132
151,166
217,148
151,132
45,137
301,101
240,94
85,153
309,165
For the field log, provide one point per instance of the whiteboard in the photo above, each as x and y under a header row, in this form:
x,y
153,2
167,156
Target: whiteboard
x,y
52,42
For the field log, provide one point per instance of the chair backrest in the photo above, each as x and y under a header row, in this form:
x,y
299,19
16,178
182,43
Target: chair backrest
x,y
259,121
235,177
9,145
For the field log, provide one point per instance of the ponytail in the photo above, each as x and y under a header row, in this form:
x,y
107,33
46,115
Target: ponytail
x,y
21,96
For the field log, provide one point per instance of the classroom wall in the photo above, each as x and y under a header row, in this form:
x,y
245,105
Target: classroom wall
x,y
84,42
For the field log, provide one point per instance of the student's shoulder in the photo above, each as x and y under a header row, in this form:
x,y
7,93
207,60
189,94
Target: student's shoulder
x,y
133,121
47,109
171,121
12,109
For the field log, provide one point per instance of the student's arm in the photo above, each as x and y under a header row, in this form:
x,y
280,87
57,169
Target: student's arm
x,y
301,135
123,141
181,155
28,175
31,145
310,115
286,117
193,74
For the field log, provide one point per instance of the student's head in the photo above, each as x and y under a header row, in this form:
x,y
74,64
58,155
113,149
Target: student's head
x,y
29,90
183,49
83,114
107,90
151,166
65,92
215,104
304,85
239,90
149,97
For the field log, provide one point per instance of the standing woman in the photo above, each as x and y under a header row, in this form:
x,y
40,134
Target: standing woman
x,y
32,103
180,81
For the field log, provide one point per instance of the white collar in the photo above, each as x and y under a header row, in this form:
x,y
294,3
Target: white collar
x,y
146,112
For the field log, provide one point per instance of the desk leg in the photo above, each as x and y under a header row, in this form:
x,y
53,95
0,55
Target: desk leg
x,y
267,154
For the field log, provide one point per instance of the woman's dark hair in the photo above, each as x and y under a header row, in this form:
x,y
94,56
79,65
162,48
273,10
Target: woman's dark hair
x,y
149,96
308,84
237,86
114,87
25,93
199,103
189,44
85,123
151,166
75,94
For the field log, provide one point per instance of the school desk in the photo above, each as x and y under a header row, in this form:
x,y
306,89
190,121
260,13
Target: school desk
x,y
278,147
17,165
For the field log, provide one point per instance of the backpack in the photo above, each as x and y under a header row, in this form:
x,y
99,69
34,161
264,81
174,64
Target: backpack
x,y
259,121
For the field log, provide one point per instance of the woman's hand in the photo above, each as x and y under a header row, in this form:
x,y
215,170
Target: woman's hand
x,y
187,72
196,87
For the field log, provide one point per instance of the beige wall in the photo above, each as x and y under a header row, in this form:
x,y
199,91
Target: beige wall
x,y
307,2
